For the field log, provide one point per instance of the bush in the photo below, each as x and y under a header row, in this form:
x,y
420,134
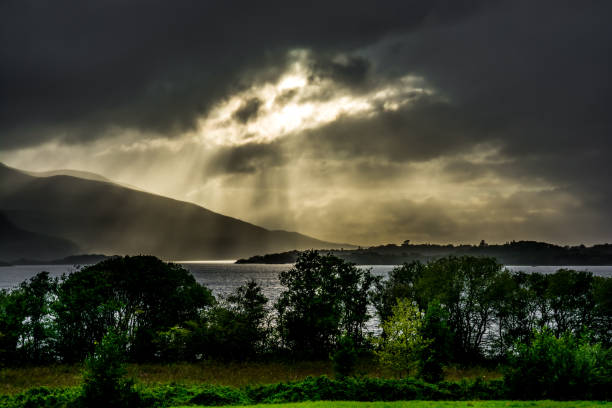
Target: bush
x,y
344,358
105,384
236,328
439,338
568,367
42,397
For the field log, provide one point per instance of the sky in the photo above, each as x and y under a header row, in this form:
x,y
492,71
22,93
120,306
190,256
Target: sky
x,y
441,121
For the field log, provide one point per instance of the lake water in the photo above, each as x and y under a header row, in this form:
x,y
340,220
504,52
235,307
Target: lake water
x,y
223,277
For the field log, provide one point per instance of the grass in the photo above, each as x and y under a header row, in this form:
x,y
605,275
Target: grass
x,y
437,404
14,380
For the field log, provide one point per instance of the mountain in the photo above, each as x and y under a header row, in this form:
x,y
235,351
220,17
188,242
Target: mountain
x,y
65,172
16,243
77,173
103,217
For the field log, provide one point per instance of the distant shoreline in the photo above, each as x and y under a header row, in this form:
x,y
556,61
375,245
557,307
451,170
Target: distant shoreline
x,y
527,253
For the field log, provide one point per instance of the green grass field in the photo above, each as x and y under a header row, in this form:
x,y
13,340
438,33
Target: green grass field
x,y
437,404
15,380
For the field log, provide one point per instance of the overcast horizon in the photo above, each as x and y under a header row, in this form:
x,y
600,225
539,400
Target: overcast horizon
x,y
353,122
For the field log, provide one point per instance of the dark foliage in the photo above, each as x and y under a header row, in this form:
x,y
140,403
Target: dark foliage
x,y
139,295
473,310
489,309
344,359
26,334
438,353
510,253
568,367
325,298
104,382
236,328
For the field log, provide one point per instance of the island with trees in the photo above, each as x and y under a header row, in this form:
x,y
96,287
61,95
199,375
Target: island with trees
x,y
510,253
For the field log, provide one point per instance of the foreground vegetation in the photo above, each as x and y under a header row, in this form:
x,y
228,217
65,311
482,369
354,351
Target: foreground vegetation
x,y
437,404
310,389
550,334
236,374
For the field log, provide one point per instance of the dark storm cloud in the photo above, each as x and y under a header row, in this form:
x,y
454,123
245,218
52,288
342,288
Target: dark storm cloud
x,y
427,129
528,80
245,159
157,65
536,73
248,110
352,70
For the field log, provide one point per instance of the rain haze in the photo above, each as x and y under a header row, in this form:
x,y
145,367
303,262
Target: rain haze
x,y
358,122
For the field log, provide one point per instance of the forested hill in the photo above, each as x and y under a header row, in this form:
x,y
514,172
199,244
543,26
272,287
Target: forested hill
x,y
511,253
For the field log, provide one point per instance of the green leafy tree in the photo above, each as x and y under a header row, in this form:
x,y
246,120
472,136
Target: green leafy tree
x,y
345,357
325,298
466,287
567,367
104,382
401,284
140,296
10,326
38,331
439,341
516,312
27,331
237,326
602,311
570,298
403,343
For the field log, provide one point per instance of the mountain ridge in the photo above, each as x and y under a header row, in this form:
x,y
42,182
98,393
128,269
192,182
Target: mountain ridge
x,y
105,217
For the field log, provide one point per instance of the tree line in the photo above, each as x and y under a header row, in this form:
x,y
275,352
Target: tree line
x,y
452,310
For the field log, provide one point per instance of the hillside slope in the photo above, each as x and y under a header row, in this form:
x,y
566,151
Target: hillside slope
x,y
103,217
16,243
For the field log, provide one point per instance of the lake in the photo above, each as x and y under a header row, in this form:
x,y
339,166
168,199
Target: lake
x,y
223,277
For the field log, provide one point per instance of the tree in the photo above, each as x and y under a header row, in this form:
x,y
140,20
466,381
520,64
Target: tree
x,y
465,287
104,382
325,298
10,326
26,323
344,359
403,343
602,313
567,367
140,296
570,298
439,339
236,327
38,332
402,284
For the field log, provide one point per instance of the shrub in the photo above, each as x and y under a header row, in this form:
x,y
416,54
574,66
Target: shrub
x,y
235,329
105,384
439,338
344,358
568,367
42,397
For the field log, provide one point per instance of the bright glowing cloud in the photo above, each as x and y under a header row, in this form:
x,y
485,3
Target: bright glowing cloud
x,y
313,102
